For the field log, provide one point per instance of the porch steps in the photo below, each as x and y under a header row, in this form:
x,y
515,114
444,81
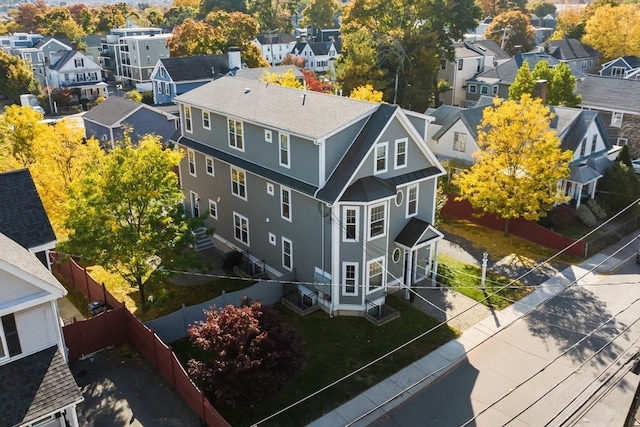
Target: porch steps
x,y
203,241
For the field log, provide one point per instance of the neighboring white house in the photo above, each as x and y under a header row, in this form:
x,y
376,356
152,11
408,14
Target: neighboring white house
x,y
318,56
37,387
274,47
76,71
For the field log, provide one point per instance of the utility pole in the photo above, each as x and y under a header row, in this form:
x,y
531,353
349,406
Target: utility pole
x,y
485,256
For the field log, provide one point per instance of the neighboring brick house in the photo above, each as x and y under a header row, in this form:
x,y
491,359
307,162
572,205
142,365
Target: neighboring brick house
x,y
108,121
618,102
453,134
37,387
336,191
22,216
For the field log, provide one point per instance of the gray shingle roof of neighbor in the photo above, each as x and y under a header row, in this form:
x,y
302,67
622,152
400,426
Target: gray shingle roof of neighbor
x,y
66,57
189,68
266,39
111,110
610,93
22,215
14,254
571,49
309,114
35,386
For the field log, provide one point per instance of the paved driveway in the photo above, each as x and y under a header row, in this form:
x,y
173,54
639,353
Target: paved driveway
x,y
121,389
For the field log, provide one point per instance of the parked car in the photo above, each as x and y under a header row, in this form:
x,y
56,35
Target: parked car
x,y
636,165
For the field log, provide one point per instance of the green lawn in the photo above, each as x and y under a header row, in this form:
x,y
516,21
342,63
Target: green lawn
x,y
465,279
335,347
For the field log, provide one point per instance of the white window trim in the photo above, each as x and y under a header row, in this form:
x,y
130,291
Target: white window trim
x,y
287,150
377,171
290,267
384,225
473,88
270,189
209,119
613,119
272,239
245,182
344,279
246,220
456,139
286,190
408,214
357,223
268,136
214,204
191,160
383,267
188,117
206,166
406,147
235,142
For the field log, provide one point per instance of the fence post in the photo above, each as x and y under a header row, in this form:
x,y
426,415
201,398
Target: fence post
x,y
86,282
173,368
104,293
202,407
153,348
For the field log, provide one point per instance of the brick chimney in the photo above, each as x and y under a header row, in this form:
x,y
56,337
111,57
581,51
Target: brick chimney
x,y
541,90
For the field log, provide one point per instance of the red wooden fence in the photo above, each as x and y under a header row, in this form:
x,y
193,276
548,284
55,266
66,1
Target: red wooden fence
x,y
518,227
117,326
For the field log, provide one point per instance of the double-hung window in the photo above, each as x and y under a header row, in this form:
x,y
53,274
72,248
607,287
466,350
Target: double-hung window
x,y
412,201
241,228
187,119
616,119
349,278
213,209
285,203
235,135
459,141
375,270
287,254
206,120
594,143
191,157
209,165
350,230
401,153
380,158
238,183
377,216
9,339
285,159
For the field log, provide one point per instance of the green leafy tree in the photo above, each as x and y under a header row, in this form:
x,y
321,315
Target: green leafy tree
x,y
125,213
518,164
238,29
358,63
523,83
515,26
59,22
254,352
113,16
620,185
562,87
208,6
274,15
409,39
177,15
320,13
82,15
16,77
614,31
133,95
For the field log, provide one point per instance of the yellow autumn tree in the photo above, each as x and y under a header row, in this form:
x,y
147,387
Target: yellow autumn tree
x,y
518,164
614,30
287,79
367,93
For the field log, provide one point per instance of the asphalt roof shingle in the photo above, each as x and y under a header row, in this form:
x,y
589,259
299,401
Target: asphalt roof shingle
x,y
110,111
35,386
610,93
190,68
22,216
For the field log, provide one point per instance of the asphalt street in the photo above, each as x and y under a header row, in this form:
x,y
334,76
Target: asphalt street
x,y
543,369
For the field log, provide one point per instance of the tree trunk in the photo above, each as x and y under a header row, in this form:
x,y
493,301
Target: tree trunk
x,y
506,227
141,290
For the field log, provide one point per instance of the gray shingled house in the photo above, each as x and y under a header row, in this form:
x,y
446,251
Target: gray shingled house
x,y
338,193
108,120
37,387
22,216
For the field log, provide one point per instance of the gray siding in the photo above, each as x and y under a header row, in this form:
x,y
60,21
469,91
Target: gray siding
x,y
144,122
337,145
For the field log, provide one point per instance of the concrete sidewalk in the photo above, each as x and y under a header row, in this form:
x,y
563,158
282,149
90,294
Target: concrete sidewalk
x,y
386,395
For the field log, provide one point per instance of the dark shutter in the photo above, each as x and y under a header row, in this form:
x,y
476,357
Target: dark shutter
x,y
11,334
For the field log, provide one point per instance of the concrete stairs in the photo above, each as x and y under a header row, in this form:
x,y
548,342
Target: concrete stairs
x,y
203,240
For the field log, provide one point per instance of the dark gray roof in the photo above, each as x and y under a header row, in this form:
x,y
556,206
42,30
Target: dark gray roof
x,y
63,40
471,117
190,68
266,39
278,107
114,109
583,174
571,49
22,216
254,168
358,150
415,232
64,58
493,47
610,93
630,61
368,189
36,386
256,73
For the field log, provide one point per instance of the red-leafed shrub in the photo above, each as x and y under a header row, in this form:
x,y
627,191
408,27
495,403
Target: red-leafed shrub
x,y
254,352
562,216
